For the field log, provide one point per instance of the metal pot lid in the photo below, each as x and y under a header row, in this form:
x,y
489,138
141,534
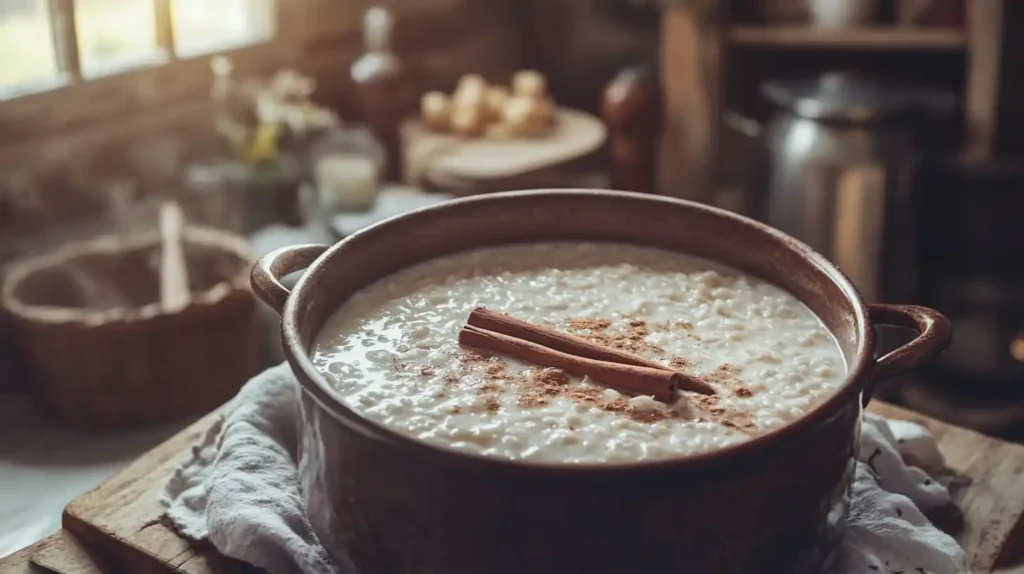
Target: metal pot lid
x,y
843,96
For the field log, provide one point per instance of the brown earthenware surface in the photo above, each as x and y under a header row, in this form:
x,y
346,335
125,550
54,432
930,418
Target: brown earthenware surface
x,y
391,512
398,505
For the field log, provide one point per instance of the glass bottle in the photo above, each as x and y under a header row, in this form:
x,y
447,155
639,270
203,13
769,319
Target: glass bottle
x,y
631,108
385,89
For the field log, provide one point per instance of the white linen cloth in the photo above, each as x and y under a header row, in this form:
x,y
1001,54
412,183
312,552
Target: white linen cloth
x,y
239,489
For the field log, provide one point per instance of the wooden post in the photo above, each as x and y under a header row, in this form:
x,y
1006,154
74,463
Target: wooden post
x,y
164,28
689,75
984,42
65,39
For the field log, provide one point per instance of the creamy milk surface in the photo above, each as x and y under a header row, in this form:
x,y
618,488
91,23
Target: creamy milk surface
x,y
392,353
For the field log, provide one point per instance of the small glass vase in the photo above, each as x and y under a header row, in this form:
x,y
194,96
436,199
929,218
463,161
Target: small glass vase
x,y
346,165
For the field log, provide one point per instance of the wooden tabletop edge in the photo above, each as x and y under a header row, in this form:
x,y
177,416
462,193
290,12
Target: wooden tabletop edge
x,y
171,449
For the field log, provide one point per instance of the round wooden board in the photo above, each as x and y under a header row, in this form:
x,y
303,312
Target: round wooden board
x,y
440,157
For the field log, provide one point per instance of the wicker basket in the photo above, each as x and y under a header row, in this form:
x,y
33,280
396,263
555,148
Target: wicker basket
x,y
103,352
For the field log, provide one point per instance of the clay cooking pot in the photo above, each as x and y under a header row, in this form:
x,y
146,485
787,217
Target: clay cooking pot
x,y
393,504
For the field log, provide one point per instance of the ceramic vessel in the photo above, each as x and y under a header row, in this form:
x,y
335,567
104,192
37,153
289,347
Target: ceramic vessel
x,y
393,504
842,13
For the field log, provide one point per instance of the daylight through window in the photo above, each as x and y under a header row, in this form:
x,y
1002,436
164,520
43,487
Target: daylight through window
x,y
47,43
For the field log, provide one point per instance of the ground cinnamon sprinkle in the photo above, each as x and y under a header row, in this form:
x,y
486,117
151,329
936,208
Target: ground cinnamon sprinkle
x,y
705,401
727,369
688,327
472,357
397,365
551,376
658,327
740,421
731,418
670,326
586,395
529,401
728,376
547,383
633,338
725,374
427,371
451,379
588,324
496,373
488,388
550,383
616,406
677,362
456,410
492,405
645,415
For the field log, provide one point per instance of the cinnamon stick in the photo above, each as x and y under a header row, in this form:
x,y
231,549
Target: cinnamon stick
x,y
489,320
659,383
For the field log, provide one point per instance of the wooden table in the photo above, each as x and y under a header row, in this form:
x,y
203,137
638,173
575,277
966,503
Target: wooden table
x,y
116,527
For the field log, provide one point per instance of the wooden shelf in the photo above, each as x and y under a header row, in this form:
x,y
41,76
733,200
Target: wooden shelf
x,y
875,38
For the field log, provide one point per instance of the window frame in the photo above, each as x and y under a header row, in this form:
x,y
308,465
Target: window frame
x,y
159,78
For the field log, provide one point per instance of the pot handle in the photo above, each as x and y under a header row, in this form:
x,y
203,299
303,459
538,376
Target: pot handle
x,y
934,335
268,270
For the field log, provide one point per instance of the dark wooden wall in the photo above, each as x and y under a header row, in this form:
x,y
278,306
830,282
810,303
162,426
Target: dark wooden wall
x,y
581,44
1010,127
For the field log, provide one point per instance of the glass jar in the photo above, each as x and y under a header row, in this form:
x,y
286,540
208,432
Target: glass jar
x,y
346,166
243,197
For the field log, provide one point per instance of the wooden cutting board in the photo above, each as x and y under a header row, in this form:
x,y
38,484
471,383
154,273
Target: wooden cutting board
x,y
476,165
119,523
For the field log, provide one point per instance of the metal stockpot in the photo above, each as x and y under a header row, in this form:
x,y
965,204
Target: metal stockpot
x,y
843,151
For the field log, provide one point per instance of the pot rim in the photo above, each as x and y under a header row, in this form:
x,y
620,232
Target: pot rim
x,y
858,373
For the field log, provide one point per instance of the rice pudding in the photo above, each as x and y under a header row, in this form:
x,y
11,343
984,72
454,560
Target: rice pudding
x,y
392,353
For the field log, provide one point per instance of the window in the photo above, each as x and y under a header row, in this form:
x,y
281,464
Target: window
x,y
205,26
27,57
47,43
115,35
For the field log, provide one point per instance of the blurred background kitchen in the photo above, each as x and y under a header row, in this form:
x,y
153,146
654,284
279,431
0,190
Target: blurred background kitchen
x,y
150,149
